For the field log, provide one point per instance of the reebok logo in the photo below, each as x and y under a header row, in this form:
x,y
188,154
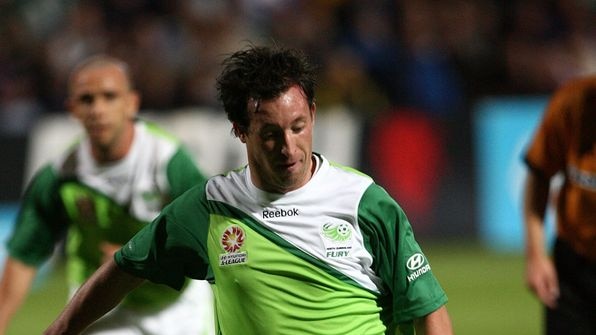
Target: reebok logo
x,y
279,213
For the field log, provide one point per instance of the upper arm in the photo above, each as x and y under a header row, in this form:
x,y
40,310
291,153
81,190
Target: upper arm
x,y
536,194
547,151
40,221
397,258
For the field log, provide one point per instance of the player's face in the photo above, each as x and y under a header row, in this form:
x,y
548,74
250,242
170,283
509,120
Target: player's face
x,y
279,142
102,100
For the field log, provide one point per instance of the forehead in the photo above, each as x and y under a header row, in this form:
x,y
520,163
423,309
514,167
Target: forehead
x,y
99,77
287,107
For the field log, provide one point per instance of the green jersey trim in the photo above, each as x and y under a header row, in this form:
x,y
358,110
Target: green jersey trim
x,y
349,169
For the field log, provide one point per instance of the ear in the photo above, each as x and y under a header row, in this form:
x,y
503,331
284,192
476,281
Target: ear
x,y
242,137
70,107
134,103
239,133
313,112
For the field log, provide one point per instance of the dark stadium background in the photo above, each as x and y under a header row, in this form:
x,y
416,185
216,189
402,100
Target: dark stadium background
x,y
442,93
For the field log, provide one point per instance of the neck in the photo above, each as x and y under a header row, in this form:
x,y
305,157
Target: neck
x,y
313,165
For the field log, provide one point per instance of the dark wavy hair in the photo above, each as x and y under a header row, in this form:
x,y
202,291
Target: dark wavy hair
x,y
261,73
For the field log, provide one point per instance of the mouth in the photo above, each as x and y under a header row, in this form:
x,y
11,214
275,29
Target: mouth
x,y
288,166
96,130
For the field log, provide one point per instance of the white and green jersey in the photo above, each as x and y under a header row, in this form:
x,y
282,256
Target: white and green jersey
x,y
336,256
93,204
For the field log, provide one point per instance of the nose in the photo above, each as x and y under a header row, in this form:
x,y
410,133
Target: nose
x,y
97,107
288,144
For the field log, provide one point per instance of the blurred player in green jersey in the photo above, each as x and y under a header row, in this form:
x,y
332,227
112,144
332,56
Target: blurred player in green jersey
x,y
103,189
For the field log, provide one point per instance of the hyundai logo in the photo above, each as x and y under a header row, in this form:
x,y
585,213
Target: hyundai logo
x,y
415,261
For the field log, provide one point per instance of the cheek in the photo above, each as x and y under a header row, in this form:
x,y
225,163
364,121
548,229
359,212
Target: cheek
x,y
132,105
77,112
121,112
268,146
121,108
305,141
77,115
260,144
132,111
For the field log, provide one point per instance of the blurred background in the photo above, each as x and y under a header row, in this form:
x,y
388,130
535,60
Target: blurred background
x,y
434,99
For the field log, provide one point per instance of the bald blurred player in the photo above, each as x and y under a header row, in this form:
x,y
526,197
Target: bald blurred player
x,y
108,185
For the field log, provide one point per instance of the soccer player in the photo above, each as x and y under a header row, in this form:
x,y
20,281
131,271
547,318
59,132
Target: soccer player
x,y
293,243
108,185
565,143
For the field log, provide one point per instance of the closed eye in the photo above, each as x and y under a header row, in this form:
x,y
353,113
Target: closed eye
x,y
269,134
298,127
110,95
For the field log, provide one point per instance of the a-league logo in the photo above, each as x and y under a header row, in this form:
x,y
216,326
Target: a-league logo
x,y
232,239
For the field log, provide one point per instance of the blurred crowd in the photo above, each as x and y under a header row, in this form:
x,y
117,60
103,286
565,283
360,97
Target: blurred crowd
x,y
410,70
435,56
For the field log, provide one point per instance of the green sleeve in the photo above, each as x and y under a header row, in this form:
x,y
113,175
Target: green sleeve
x,y
40,223
183,173
173,246
410,288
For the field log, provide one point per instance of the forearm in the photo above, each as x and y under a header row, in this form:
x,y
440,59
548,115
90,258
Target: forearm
x,y
16,281
102,292
535,238
541,275
535,202
435,323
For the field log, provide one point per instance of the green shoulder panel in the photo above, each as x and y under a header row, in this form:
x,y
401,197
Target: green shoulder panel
x,y
397,259
183,173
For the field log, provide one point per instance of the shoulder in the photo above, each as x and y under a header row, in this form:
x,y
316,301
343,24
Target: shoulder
x,y
189,206
43,188
156,142
156,131
578,84
229,185
572,95
46,175
341,181
342,173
